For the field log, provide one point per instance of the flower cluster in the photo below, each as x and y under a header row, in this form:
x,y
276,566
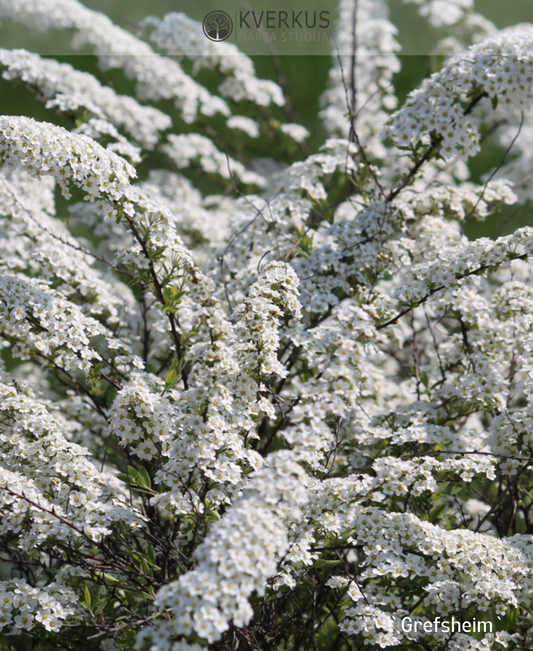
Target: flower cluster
x,y
237,557
179,35
55,80
259,319
441,13
191,149
55,151
157,77
23,606
438,113
51,476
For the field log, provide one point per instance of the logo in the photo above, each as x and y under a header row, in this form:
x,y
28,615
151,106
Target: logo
x,y
217,26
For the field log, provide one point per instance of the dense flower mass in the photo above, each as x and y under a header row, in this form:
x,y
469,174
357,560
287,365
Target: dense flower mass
x,y
499,69
62,83
266,385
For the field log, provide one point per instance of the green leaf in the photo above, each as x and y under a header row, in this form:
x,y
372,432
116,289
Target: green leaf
x,y
171,378
87,596
109,578
174,374
455,489
437,512
139,479
133,475
326,563
145,478
150,554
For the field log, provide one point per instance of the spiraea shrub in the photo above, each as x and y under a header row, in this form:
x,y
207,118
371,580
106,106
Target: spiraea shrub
x,y
259,393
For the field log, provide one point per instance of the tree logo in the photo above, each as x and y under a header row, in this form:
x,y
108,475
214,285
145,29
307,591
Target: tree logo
x,y
217,26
